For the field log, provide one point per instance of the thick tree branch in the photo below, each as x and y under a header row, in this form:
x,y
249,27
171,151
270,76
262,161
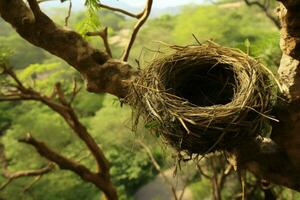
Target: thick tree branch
x,y
289,69
278,160
270,161
35,8
100,73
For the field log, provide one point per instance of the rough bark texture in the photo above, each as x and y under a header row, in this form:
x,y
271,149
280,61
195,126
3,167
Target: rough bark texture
x,y
101,73
279,160
289,69
286,134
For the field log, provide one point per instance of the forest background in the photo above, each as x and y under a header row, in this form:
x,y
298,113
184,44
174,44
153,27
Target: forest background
x,y
229,23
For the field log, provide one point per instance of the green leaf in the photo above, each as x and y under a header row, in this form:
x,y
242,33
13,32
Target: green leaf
x,y
151,124
91,22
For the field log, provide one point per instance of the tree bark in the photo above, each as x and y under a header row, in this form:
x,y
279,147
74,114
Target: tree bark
x,y
289,69
279,160
101,73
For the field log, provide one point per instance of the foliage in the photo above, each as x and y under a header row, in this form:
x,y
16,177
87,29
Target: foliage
x,y
201,189
109,124
23,52
91,21
229,26
131,167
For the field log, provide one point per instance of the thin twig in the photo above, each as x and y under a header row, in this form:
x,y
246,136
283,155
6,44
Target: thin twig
x,y
101,178
158,168
69,13
104,35
42,1
12,74
12,176
121,11
29,186
265,9
75,91
60,93
201,171
66,111
136,29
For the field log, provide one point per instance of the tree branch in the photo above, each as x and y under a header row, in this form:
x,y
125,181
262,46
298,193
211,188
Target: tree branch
x,y
121,11
34,6
64,109
265,9
37,172
34,181
75,91
69,13
61,94
143,18
102,182
289,69
103,34
7,70
278,160
201,171
12,176
269,160
100,72
61,161
158,168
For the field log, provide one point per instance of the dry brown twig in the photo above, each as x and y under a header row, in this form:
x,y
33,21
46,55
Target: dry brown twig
x,y
58,103
69,13
30,185
121,11
103,34
12,176
265,8
218,169
161,172
75,91
142,18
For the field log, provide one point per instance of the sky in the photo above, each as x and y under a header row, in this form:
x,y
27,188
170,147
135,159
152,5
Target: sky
x,y
157,4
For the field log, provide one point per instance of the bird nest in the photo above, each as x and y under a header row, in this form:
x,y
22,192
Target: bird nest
x,y
204,98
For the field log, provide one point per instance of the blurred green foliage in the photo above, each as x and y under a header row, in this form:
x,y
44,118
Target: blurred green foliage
x,y
108,124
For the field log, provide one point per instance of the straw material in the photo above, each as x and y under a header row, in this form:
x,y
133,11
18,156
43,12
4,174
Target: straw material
x,y
204,98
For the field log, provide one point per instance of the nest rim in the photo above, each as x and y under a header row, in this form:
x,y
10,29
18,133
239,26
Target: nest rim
x,y
203,129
